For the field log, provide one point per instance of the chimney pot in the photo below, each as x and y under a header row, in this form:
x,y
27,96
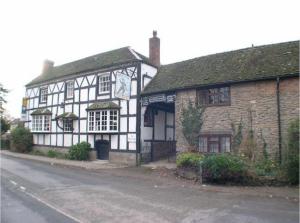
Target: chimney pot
x,y
154,33
154,49
47,66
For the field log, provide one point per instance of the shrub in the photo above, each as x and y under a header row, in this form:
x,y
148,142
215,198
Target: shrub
x,y
21,139
292,162
222,168
266,167
189,160
52,153
80,151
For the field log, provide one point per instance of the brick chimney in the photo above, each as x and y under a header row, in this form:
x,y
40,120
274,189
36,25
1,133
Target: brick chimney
x,y
154,49
47,66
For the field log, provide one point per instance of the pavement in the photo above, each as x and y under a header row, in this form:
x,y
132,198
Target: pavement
x,y
136,195
89,165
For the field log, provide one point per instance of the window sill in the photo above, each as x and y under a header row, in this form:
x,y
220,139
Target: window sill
x,y
116,131
40,131
103,93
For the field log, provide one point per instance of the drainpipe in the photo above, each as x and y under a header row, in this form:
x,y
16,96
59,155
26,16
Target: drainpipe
x,y
279,120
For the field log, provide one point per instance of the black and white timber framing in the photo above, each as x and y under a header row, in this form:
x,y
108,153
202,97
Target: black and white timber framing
x,y
128,136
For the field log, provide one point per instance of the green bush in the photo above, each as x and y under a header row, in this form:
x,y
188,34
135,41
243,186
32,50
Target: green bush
x,y
266,167
80,151
22,139
224,168
292,162
189,160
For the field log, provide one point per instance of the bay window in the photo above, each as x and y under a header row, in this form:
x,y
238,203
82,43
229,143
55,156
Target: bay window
x,y
214,143
41,123
103,121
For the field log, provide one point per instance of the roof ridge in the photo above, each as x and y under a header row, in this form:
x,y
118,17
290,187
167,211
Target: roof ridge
x,y
231,51
83,58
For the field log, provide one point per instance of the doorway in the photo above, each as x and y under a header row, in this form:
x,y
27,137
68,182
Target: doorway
x,y
102,148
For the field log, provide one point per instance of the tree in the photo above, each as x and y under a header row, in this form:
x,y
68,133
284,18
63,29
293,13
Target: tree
x,y
192,121
3,92
4,125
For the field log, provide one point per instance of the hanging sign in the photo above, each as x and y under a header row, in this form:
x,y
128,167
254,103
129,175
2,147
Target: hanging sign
x,y
24,106
123,86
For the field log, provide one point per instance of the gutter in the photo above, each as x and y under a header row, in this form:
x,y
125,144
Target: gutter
x,y
279,120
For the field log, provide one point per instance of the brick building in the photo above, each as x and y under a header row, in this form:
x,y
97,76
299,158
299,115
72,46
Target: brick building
x,y
256,89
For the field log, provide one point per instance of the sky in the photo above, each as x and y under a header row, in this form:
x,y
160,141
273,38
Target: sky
x,y
63,31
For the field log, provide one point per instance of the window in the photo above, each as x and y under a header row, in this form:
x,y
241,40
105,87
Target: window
x,y
103,121
43,95
214,96
104,84
148,118
68,125
214,143
69,89
41,123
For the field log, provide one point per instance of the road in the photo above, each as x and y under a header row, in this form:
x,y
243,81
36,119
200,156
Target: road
x,y
37,192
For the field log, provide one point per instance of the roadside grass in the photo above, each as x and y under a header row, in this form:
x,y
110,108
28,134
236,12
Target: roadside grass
x,y
50,154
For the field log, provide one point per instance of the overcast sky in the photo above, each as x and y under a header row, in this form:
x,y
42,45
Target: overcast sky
x,y
62,31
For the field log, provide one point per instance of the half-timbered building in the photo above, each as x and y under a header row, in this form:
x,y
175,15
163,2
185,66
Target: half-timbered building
x,y
95,99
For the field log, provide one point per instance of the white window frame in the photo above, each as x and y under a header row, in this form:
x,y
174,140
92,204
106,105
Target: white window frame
x,y
69,89
68,125
104,83
41,123
43,94
103,120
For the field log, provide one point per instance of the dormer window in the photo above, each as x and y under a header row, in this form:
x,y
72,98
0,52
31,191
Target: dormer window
x,y
69,89
104,83
43,94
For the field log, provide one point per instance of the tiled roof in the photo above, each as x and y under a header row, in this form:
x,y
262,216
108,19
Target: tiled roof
x,y
253,63
42,111
67,115
102,60
103,105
